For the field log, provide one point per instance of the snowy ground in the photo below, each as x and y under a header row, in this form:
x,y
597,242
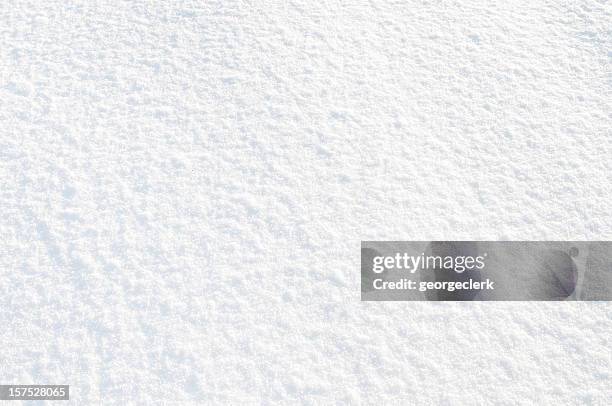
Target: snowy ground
x,y
184,186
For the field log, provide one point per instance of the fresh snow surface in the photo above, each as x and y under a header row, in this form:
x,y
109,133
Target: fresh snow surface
x,y
184,186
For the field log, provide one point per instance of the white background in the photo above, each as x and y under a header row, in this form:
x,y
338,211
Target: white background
x,y
184,186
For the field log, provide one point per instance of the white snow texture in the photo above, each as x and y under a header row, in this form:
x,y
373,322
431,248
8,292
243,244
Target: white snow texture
x,y
185,185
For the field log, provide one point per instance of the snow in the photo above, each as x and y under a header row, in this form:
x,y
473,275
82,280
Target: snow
x,y
184,186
